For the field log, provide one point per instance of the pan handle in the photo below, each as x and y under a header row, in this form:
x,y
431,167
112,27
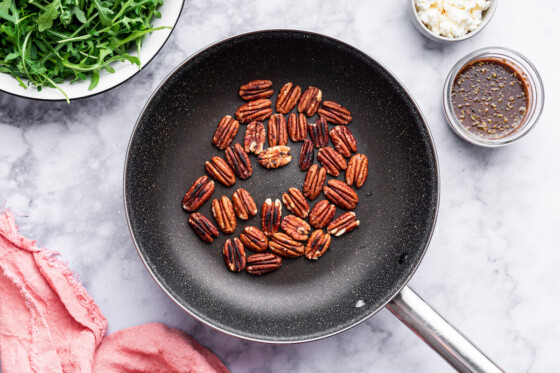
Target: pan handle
x,y
439,334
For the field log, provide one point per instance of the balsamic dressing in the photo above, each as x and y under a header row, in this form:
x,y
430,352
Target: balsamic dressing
x,y
490,98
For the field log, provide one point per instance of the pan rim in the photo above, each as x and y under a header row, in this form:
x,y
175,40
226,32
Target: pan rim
x,y
239,335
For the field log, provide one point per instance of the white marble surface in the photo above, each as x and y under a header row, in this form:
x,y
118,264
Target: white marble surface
x,y
492,265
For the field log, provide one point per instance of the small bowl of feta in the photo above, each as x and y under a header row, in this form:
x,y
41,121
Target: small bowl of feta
x,y
448,21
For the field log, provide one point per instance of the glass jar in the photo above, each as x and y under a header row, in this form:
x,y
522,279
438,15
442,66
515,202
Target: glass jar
x,y
535,95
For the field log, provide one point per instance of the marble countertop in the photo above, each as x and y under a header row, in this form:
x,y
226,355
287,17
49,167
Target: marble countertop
x,y
491,268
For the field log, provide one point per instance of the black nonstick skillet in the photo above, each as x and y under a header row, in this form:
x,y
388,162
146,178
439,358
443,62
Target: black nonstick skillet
x,y
363,271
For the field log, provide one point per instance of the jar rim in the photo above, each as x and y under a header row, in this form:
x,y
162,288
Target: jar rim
x,y
534,86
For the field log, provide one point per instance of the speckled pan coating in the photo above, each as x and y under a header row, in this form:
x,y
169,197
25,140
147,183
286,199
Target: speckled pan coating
x,y
302,301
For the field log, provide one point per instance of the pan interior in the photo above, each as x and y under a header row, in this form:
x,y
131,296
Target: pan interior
x,y
303,300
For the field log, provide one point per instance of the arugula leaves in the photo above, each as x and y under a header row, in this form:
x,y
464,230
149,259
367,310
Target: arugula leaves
x,y
46,19
48,42
104,12
5,10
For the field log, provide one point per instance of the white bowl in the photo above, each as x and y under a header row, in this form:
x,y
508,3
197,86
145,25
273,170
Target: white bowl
x,y
170,11
486,16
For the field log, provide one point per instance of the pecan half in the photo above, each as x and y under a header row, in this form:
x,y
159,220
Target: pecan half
x,y
319,132
335,113
357,171
306,155
257,110
254,138
331,160
322,214
222,209
318,243
310,101
296,203
339,193
275,157
283,245
203,227
288,98
343,141
271,215
256,89
297,127
254,239
234,255
243,204
314,181
277,131
295,227
261,264
345,223
220,171
225,132
239,161
198,194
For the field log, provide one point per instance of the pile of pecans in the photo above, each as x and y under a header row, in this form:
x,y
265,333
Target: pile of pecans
x,y
297,239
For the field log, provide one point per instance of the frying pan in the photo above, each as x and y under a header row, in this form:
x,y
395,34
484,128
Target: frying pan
x,y
363,271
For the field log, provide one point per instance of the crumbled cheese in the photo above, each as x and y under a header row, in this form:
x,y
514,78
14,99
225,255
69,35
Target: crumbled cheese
x,y
451,18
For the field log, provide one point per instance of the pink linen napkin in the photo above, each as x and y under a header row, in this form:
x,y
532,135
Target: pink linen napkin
x,y
49,322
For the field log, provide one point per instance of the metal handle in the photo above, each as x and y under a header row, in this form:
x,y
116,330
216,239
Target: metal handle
x,y
440,335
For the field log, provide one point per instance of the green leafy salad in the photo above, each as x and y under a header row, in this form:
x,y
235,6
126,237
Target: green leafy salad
x,y
48,42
